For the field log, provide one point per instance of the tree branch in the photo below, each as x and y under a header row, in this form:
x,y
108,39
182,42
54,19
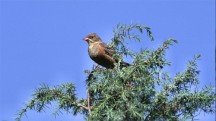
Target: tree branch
x,y
88,100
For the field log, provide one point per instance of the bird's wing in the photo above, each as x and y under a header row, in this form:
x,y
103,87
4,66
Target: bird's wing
x,y
109,51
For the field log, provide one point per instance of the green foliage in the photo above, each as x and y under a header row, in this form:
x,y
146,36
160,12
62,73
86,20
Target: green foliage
x,y
63,94
139,92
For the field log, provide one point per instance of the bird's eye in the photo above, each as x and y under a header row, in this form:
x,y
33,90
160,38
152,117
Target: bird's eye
x,y
92,37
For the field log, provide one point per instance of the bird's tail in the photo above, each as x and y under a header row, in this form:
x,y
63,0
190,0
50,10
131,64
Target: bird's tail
x,y
124,64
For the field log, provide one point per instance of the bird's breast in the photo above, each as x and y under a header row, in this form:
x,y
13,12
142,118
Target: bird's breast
x,y
94,50
98,55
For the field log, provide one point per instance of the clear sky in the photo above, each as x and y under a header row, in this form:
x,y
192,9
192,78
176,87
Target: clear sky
x,y
41,42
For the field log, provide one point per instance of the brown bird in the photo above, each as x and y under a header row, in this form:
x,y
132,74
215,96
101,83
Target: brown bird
x,y
100,53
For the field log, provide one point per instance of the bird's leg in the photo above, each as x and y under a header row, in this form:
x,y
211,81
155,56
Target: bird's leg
x,y
97,67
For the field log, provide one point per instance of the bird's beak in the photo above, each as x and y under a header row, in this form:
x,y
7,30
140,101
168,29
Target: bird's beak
x,y
86,39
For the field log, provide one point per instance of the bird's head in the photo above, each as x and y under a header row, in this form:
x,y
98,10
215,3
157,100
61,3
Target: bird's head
x,y
92,38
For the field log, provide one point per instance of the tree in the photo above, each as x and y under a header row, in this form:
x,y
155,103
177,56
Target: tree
x,y
142,91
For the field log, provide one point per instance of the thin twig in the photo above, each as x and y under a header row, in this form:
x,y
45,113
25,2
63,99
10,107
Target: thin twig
x,y
88,98
83,106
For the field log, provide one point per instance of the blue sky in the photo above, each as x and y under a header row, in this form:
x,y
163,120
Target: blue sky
x,y
41,42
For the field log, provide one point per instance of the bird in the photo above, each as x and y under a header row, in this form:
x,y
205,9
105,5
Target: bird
x,y
101,53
